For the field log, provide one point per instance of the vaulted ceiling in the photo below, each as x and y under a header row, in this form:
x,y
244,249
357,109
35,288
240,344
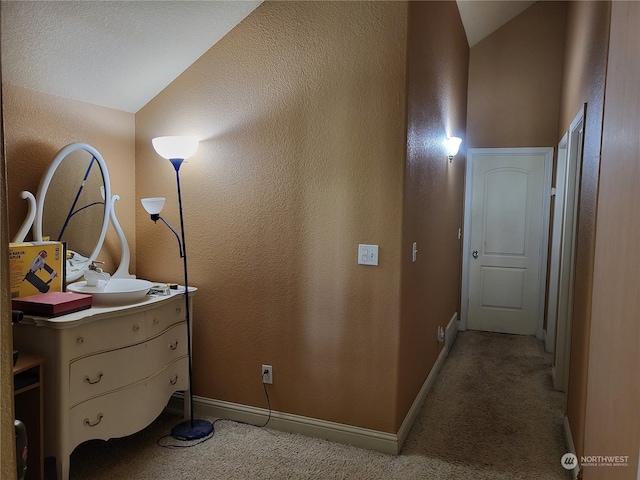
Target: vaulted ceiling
x,y
120,54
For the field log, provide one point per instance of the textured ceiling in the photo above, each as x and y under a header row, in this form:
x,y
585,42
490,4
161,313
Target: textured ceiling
x,y
120,54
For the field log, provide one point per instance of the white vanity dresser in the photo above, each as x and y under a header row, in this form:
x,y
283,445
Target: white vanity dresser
x,y
109,371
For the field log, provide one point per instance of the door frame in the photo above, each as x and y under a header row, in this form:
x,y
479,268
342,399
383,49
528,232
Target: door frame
x,y
566,272
555,250
544,234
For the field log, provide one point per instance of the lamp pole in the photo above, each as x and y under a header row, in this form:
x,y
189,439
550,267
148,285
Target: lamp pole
x,y
192,429
176,150
176,162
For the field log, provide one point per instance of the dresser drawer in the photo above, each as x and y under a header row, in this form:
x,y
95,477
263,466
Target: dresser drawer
x,y
98,374
160,318
166,348
108,334
129,410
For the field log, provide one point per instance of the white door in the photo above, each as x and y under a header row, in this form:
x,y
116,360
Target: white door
x,y
506,246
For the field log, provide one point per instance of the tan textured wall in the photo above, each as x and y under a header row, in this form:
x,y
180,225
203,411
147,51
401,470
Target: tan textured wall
x,y
583,82
515,77
612,425
438,59
301,109
7,436
38,125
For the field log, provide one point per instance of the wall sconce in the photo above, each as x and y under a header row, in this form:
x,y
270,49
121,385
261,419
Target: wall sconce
x,y
176,150
452,145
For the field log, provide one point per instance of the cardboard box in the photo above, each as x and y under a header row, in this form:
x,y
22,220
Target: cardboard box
x,y
36,267
52,304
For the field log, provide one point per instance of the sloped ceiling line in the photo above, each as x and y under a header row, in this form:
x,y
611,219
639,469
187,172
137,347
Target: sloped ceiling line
x,y
120,54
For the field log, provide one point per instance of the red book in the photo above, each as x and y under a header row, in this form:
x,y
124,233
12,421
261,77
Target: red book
x,y
52,304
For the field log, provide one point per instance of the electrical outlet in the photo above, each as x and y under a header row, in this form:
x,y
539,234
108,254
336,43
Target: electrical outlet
x,y
440,334
267,374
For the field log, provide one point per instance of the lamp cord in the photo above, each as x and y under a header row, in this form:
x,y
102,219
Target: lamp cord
x,y
182,445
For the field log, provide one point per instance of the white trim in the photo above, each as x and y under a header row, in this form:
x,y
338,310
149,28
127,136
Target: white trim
x,y
570,446
410,418
556,245
566,275
384,442
466,247
287,422
544,253
451,332
466,242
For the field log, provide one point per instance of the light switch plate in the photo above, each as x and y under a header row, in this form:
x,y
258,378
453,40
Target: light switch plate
x,y
367,254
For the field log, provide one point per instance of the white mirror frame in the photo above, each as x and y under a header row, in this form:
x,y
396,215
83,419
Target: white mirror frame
x,y
36,207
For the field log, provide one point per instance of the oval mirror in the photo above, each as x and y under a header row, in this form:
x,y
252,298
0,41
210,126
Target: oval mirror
x,y
71,206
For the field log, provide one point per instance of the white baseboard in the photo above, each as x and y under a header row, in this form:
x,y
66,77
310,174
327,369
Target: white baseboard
x,y
570,446
419,400
451,331
312,427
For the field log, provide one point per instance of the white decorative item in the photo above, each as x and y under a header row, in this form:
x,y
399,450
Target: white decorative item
x,y
28,221
123,268
35,216
114,291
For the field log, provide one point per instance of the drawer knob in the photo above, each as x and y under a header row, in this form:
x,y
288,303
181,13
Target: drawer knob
x,y
136,328
88,423
156,321
90,382
80,340
173,345
174,380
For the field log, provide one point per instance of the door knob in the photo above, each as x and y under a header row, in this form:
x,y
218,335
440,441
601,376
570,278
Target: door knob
x,y
475,254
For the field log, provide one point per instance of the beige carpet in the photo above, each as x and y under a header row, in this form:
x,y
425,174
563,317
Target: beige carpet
x,y
491,414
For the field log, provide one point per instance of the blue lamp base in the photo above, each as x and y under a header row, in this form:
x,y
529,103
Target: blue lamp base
x,y
192,430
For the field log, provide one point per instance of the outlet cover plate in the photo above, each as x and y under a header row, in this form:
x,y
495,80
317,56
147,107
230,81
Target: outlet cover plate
x,y
367,254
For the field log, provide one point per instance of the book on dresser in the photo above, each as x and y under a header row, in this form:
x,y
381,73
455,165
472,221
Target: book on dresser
x,y
52,304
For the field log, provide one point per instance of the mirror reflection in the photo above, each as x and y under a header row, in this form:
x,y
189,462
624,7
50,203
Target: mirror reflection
x,y
74,206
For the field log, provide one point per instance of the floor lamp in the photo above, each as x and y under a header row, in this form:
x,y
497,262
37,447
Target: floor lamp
x,y
176,150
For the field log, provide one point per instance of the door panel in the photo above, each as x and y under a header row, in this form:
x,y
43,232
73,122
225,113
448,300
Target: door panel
x,y
504,224
502,287
507,244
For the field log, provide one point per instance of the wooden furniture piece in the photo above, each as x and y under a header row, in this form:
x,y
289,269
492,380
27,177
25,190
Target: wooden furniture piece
x,y
109,371
29,409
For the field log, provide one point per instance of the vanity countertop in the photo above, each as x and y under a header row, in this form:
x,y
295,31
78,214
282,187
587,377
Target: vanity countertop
x,y
74,319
